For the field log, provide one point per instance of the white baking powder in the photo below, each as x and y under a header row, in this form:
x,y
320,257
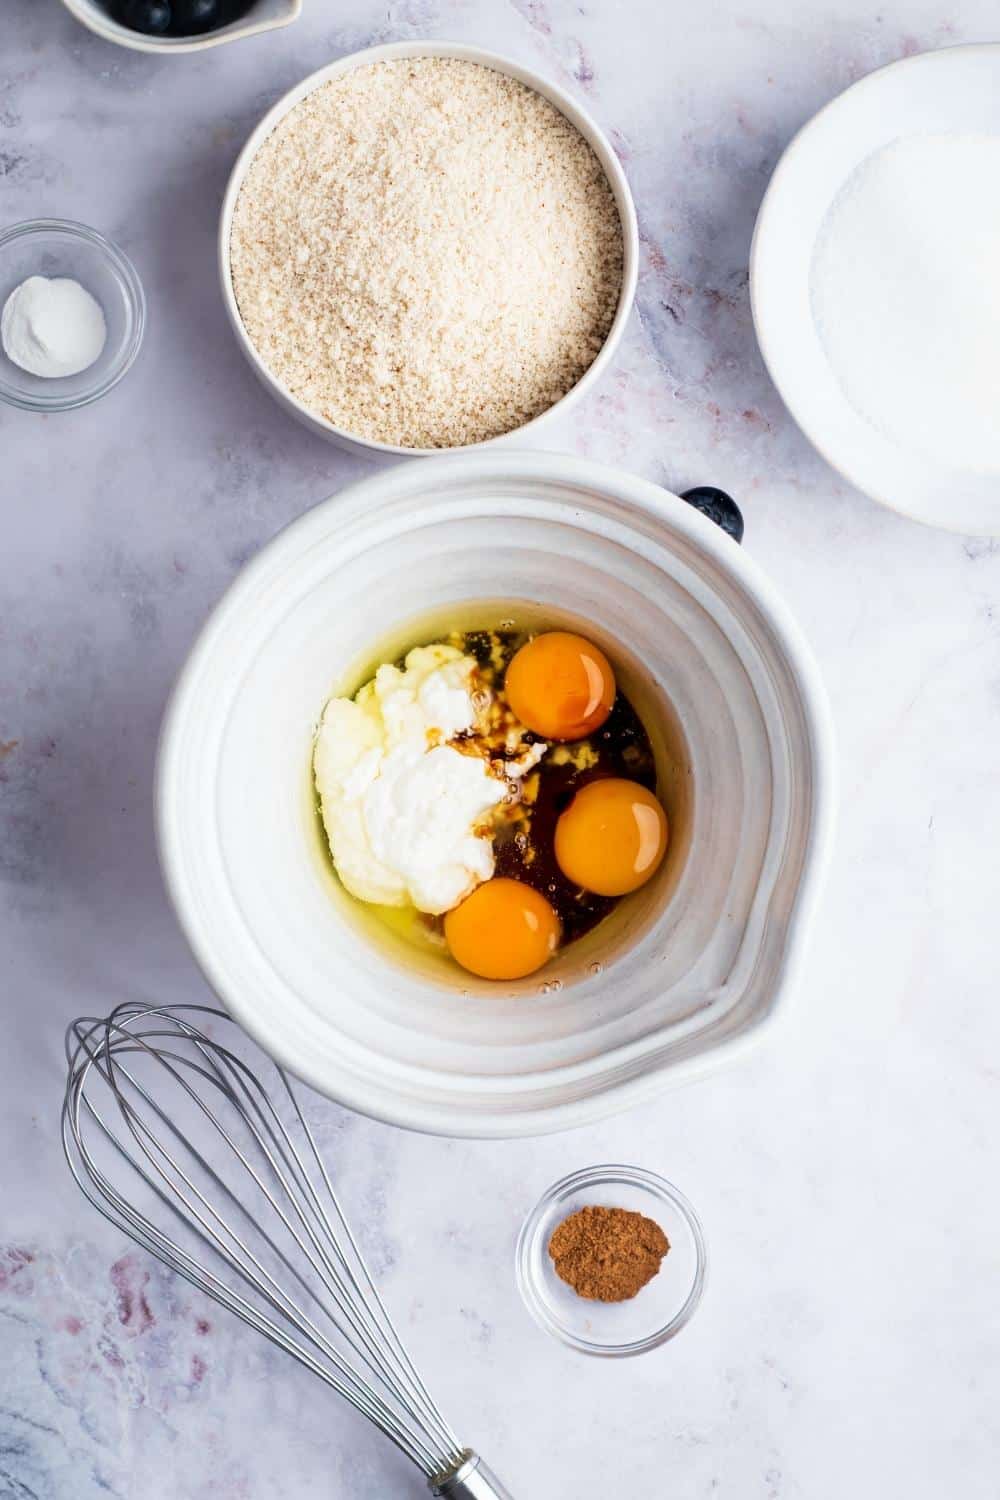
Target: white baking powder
x,y
905,288
52,327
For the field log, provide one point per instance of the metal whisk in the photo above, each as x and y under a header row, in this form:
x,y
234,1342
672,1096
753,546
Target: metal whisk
x,y
160,1111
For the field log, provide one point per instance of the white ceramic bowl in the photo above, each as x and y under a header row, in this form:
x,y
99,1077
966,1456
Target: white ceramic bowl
x,y
264,15
955,90
680,976
562,101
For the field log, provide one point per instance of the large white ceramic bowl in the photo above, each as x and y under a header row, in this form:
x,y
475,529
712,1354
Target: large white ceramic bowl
x,y
577,116
682,975
954,91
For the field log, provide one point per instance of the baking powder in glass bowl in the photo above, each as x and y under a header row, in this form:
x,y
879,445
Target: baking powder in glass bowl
x,y
52,327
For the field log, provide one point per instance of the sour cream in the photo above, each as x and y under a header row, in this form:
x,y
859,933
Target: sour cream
x,y
405,811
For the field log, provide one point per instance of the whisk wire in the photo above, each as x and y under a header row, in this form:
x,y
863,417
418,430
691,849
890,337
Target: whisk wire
x,y
397,1349
324,1267
372,1323
364,1399
169,1250
374,1371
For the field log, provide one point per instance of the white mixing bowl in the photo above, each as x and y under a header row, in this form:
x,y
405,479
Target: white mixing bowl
x,y
681,975
577,116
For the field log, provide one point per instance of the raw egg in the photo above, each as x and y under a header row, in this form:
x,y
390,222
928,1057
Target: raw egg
x,y
560,686
504,930
612,837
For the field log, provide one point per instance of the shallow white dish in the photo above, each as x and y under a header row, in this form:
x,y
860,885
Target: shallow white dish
x,y
577,116
681,976
954,90
264,15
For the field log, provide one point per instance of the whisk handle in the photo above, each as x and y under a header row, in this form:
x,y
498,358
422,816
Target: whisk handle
x,y
472,1480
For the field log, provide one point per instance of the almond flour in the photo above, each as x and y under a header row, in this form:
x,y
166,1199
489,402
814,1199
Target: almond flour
x,y
426,252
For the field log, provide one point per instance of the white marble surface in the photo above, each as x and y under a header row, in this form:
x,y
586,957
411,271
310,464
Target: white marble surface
x,y
849,1343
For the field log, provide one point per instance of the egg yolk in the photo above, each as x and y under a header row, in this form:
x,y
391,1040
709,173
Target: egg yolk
x,y
560,686
612,837
504,930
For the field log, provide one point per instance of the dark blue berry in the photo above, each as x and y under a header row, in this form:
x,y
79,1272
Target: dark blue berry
x,y
149,16
194,16
718,507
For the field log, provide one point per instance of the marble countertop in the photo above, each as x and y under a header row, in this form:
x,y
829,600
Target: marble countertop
x,y
849,1341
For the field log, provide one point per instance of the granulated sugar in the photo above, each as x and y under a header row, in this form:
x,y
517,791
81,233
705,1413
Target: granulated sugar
x,y
426,252
905,288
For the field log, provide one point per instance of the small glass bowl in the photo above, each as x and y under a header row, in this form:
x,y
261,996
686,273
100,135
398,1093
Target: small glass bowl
x,y
613,1329
58,247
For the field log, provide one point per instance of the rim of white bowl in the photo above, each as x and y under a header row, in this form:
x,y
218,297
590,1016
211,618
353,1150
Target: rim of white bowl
x,y
364,498
568,106
109,30
842,462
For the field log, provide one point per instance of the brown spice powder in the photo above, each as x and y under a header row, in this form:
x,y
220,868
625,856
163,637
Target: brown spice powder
x,y
607,1254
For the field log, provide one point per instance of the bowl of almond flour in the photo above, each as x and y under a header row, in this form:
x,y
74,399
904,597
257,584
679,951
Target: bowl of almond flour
x,y
425,247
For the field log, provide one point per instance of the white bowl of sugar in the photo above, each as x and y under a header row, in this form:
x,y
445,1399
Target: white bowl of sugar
x,y
876,291
425,247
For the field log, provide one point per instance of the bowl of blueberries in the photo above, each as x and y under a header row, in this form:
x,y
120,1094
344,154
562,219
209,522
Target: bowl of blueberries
x,y
180,25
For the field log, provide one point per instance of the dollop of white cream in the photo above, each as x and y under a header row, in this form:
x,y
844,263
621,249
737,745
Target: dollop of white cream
x,y
52,327
402,808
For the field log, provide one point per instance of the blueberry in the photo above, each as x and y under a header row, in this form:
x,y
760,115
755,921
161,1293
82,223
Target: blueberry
x,y
718,507
150,16
194,16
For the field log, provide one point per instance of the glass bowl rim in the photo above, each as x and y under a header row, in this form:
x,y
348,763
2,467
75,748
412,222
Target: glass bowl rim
x,y
600,1175
127,275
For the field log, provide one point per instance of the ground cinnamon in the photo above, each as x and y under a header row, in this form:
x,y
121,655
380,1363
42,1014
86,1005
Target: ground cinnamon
x,y
607,1254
